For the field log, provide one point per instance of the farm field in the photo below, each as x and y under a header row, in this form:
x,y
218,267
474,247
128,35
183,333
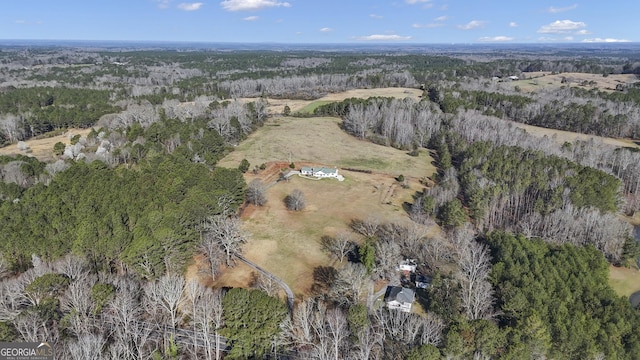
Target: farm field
x,y
320,140
287,243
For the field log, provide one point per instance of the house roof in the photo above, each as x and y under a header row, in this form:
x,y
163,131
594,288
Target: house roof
x,y
320,169
400,294
326,170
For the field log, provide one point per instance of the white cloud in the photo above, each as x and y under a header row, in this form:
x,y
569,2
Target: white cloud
x,y
513,24
555,10
583,32
555,39
190,6
441,18
378,37
163,4
376,16
326,29
427,26
426,4
251,18
249,5
473,24
606,40
20,21
495,38
562,27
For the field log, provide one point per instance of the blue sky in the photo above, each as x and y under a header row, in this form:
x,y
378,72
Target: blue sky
x,y
323,21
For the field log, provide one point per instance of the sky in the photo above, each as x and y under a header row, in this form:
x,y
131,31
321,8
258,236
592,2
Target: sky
x,y
323,21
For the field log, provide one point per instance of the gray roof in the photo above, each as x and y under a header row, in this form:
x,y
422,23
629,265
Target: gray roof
x,y
400,294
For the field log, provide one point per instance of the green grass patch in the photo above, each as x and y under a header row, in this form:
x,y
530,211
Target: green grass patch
x,y
309,109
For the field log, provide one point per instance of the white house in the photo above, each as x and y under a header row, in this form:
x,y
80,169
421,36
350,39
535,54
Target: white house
x,y
399,298
321,172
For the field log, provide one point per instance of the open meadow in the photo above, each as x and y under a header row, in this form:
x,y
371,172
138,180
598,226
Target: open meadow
x,y
534,81
287,243
42,147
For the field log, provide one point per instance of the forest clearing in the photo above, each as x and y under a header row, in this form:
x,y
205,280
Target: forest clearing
x,y
279,236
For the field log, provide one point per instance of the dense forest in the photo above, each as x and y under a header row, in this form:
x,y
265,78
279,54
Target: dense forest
x,y
94,245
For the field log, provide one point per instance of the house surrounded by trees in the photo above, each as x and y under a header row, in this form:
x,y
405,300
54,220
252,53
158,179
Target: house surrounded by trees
x,y
400,298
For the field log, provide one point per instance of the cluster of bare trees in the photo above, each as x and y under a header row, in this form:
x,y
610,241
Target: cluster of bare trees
x,y
475,265
312,86
108,315
399,123
316,331
222,238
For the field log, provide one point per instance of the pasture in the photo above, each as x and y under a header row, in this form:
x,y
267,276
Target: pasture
x,y
288,243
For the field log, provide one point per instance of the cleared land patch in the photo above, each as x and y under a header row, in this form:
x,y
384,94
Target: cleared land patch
x,y
625,281
320,140
287,243
538,80
562,136
42,148
276,106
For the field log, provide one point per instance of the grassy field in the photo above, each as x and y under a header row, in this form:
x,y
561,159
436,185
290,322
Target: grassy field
x,y
42,148
562,136
309,109
320,140
287,243
539,80
276,106
625,281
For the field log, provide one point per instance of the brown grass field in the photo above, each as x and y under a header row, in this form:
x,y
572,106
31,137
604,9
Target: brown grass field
x,y
276,106
562,136
43,148
542,79
287,243
625,281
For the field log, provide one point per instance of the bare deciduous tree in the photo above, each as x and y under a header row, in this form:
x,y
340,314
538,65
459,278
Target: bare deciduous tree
x,y
87,347
74,267
369,344
78,302
339,246
12,299
368,227
225,233
295,201
266,284
256,192
167,293
475,264
207,319
4,266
